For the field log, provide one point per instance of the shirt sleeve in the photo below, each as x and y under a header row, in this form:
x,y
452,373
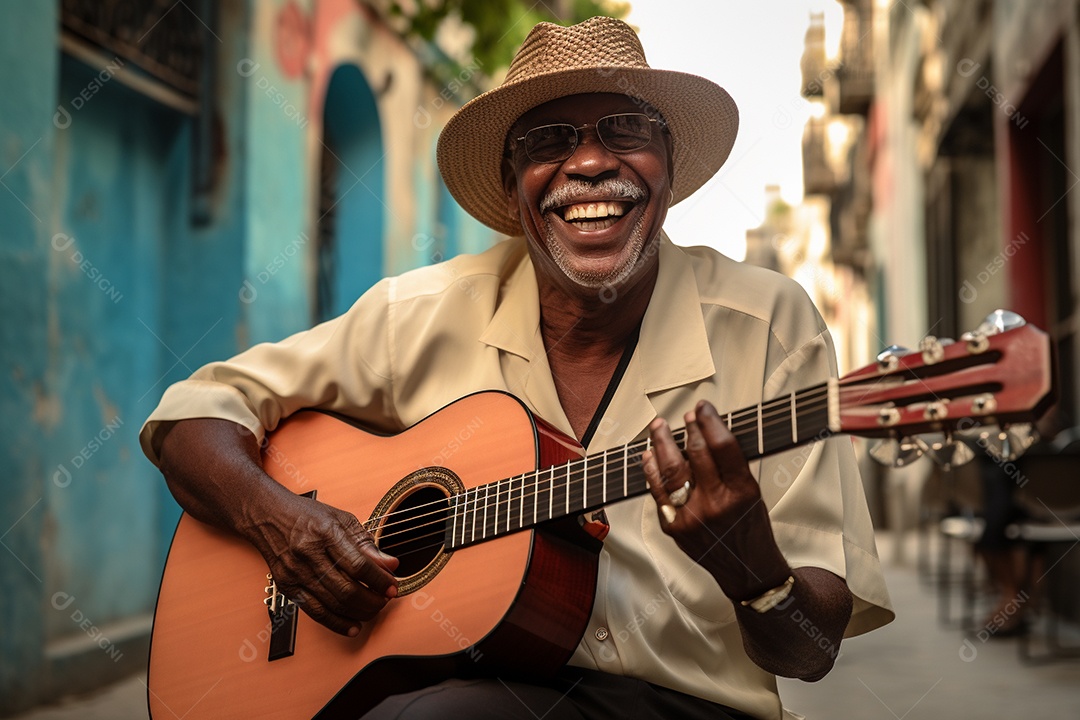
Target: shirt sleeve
x,y
815,494
342,363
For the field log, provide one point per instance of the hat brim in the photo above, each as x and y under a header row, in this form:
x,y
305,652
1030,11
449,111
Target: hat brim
x,y
701,117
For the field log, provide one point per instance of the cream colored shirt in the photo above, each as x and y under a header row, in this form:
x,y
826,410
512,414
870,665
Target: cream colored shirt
x,y
715,329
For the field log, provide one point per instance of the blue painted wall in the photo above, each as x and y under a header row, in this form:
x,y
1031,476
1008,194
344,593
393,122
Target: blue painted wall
x,y
28,414
109,293
120,178
276,248
354,134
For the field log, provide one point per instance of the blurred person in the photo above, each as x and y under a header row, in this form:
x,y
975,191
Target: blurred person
x,y
727,575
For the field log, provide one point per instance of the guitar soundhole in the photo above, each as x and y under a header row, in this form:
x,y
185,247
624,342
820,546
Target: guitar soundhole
x,y
410,524
414,531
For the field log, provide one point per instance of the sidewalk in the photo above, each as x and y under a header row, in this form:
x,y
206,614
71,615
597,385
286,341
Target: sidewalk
x,y
911,670
914,669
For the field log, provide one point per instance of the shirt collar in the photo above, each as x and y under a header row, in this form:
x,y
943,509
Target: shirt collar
x,y
515,326
673,349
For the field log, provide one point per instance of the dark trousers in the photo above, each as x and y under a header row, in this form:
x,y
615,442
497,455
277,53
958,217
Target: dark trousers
x,y
575,694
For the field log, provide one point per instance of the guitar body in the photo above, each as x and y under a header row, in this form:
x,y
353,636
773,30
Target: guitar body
x,y
513,605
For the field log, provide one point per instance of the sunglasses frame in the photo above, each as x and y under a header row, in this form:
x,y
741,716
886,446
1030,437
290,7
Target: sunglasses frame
x,y
577,136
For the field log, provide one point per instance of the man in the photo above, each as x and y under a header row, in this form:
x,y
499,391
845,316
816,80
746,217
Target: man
x,y
604,328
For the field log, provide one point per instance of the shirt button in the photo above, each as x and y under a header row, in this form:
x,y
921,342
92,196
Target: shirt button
x,y
602,633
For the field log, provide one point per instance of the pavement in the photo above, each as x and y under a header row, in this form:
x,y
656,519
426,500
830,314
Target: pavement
x,y
913,669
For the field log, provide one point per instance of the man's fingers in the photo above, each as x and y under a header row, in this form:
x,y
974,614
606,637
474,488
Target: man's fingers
x,y
354,551
348,598
656,487
673,469
722,446
320,614
702,466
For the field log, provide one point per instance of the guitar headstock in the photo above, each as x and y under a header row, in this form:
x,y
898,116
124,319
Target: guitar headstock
x,y
1000,374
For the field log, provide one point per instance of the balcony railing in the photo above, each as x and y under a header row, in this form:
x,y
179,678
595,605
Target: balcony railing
x,y
814,68
818,176
855,74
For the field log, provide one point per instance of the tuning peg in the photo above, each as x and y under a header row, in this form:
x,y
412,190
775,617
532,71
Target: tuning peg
x,y
1010,442
976,341
932,349
1000,321
944,450
895,453
890,356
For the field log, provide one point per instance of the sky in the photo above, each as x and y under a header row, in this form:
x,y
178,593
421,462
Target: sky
x,y
752,50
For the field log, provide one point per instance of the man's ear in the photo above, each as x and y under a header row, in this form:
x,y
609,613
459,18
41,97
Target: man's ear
x,y
670,142
509,181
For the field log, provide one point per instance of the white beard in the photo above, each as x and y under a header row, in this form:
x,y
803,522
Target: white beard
x,y
596,280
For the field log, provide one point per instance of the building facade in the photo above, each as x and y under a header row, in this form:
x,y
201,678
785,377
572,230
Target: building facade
x,y
180,180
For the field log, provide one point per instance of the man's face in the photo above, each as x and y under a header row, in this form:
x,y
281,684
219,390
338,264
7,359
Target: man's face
x,y
594,215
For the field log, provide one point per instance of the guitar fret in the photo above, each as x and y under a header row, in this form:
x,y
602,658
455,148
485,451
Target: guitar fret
x,y
476,499
794,422
625,467
585,484
603,481
567,487
521,507
760,431
464,515
510,505
483,530
454,513
536,496
729,426
551,495
509,502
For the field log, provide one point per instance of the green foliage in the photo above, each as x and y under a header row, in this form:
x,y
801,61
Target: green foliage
x,y
500,25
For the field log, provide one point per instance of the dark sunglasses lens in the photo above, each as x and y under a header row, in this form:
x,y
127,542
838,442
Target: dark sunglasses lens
x,y
550,143
623,133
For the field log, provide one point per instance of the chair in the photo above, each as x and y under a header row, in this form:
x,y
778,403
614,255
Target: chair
x,y
1049,493
961,498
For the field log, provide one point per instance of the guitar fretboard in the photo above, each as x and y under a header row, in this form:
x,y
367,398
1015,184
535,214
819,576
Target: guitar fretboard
x,y
518,503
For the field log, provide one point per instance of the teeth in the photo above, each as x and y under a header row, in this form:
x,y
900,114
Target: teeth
x,y
593,210
595,224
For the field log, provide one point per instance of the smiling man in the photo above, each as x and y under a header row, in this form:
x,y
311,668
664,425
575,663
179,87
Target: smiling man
x,y
727,574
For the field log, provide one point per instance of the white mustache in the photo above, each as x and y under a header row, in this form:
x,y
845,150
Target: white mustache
x,y
574,190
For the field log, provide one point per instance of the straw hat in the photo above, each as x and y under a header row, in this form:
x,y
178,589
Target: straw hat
x,y
601,55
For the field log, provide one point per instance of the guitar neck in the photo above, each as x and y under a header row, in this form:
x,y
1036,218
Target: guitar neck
x,y
518,503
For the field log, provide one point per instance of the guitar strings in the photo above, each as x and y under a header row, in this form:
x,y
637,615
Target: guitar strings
x,y
576,472
578,465
747,418
571,470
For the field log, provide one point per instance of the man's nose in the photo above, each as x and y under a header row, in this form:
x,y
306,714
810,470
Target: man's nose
x,y
591,158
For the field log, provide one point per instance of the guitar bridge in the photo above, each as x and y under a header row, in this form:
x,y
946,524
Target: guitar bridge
x,y
283,619
283,616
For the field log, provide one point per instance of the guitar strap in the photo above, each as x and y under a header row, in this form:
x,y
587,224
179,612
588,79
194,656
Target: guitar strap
x,y
595,523
613,385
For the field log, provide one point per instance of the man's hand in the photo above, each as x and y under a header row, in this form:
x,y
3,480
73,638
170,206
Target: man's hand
x,y
321,557
723,525
324,560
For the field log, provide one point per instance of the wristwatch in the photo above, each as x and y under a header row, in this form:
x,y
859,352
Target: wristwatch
x,y
769,599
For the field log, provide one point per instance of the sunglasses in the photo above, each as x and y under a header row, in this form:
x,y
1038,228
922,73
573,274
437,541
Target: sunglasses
x,y
621,133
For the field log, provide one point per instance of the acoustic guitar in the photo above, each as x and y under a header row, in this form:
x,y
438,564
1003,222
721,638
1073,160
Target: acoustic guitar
x,y
480,501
